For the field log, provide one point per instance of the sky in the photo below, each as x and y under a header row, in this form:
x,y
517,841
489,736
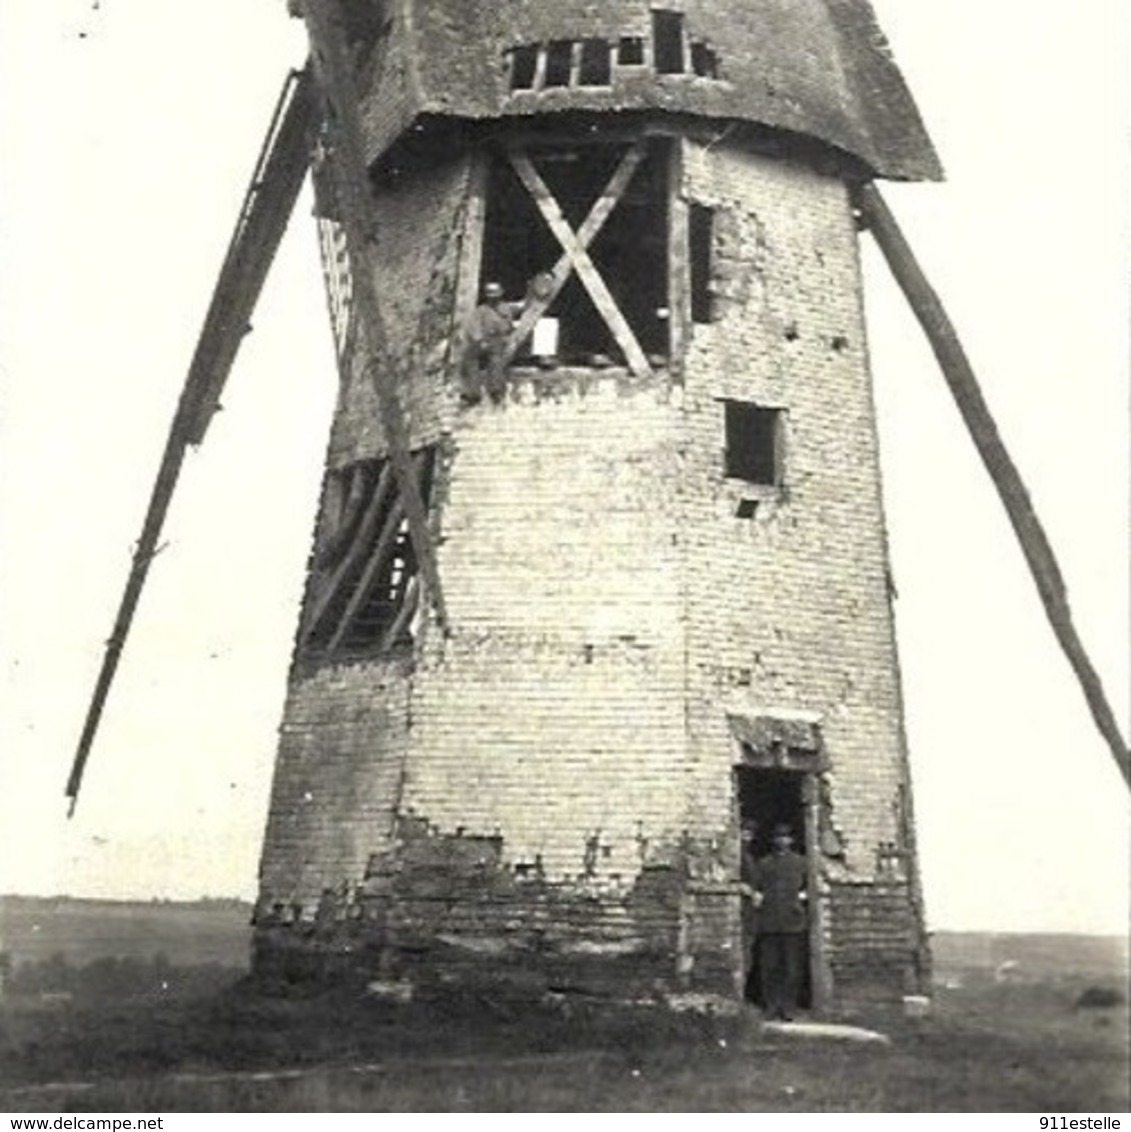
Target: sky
x,y
128,129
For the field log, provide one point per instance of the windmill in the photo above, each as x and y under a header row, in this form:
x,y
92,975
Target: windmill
x,y
378,585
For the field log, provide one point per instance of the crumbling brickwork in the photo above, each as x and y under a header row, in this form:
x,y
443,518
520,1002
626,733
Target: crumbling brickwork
x,y
550,788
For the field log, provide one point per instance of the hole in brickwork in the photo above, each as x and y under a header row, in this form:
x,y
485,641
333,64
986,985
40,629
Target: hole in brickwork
x,y
704,60
629,253
667,38
596,64
747,509
791,333
630,51
753,443
559,63
524,66
364,588
839,344
701,235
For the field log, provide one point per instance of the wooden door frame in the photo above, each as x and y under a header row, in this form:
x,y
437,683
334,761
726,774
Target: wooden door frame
x,y
809,765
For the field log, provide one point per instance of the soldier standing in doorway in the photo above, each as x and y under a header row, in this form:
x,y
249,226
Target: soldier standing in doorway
x,y
778,886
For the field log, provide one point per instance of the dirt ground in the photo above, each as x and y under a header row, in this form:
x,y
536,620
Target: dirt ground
x,y
1010,1048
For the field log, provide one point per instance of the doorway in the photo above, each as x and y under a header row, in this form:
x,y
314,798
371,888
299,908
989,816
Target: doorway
x,y
769,797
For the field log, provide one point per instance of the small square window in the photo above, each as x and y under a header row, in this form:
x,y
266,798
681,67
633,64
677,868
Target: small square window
x,y
559,63
754,443
630,51
704,61
524,66
596,64
667,36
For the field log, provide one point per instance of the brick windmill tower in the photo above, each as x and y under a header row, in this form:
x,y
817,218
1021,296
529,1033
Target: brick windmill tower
x,y
652,600
599,572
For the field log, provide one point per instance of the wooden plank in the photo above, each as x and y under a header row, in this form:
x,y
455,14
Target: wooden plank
x,y
404,615
820,971
963,384
346,156
471,255
582,264
540,69
332,589
679,260
593,223
364,588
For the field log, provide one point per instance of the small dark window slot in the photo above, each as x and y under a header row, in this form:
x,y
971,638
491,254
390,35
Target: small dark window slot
x,y
701,227
596,65
704,61
524,66
667,36
559,63
753,443
630,51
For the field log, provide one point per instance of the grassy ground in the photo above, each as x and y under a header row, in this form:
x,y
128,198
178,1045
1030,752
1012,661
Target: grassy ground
x,y
1010,1048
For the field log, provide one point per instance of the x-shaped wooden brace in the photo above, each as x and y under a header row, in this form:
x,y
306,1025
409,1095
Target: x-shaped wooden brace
x,y
575,256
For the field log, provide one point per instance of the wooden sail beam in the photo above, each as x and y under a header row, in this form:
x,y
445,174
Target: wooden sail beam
x,y
577,253
593,223
349,169
959,375
268,204
270,200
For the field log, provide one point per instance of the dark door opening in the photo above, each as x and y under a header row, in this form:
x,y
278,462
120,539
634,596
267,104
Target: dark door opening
x,y
768,798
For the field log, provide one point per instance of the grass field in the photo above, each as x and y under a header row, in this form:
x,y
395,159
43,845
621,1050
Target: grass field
x,y
1017,1043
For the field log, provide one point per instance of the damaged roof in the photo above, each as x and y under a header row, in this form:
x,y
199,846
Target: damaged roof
x,y
819,68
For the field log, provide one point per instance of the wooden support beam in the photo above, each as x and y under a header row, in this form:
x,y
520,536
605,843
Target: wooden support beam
x,y
581,263
341,573
471,255
593,223
404,615
959,375
679,259
373,566
346,156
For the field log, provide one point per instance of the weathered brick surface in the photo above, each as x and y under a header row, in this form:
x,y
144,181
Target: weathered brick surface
x,y
551,786
338,772
416,250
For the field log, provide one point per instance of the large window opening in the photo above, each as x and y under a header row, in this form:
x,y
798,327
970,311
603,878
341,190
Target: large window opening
x,y
754,443
365,588
629,252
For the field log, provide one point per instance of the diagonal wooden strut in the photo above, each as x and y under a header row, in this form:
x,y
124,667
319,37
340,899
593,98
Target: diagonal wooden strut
x,y
593,223
346,157
959,375
344,570
577,253
267,207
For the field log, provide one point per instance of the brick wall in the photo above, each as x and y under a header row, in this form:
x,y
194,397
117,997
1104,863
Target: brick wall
x,y
553,781
790,609
416,252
